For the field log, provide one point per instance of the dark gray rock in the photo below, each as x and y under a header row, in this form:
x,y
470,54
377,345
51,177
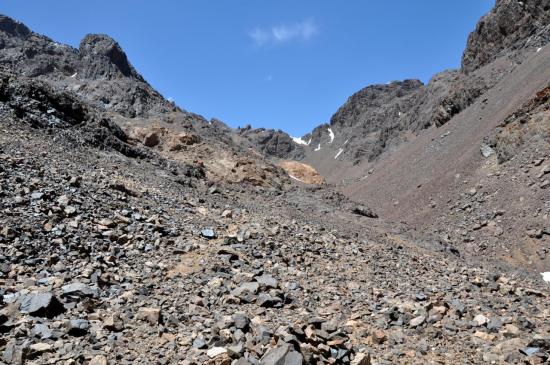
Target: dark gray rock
x,y
276,356
457,305
266,300
41,304
241,321
208,233
365,212
200,343
14,354
78,290
494,324
267,281
77,327
250,287
41,331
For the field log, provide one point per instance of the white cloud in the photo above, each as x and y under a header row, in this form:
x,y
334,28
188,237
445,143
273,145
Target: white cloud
x,y
259,36
284,33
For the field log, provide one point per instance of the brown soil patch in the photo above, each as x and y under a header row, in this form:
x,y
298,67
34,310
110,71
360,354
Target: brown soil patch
x,y
302,172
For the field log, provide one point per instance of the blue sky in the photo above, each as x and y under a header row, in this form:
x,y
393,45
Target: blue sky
x,y
284,64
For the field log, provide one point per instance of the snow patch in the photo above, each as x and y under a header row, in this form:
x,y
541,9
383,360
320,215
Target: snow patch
x,y
339,152
538,49
331,134
346,142
73,76
546,276
300,141
295,178
318,148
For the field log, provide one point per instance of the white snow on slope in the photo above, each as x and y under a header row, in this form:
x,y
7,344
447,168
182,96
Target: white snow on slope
x,y
76,73
295,178
318,147
331,135
538,49
299,141
346,142
546,276
339,152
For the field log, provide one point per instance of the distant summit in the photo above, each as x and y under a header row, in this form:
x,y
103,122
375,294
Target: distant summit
x,y
102,57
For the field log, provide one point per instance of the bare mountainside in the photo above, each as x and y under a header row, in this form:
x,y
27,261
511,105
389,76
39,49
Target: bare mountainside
x,y
134,232
413,152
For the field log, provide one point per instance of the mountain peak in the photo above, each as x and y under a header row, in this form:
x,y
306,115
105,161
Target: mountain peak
x,y
13,27
103,57
511,25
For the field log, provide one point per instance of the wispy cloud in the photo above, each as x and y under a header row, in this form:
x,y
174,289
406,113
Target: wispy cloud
x,y
284,33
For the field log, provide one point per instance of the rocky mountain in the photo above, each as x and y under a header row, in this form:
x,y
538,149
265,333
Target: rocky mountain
x,y
378,118
99,77
98,70
134,232
271,143
509,28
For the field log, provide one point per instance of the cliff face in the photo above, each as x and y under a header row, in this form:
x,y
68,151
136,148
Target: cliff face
x,y
271,143
511,26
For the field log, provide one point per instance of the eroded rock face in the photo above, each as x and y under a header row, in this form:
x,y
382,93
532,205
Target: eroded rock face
x,y
511,25
364,106
274,143
98,71
102,57
528,125
370,117
40,105
376,118
164,138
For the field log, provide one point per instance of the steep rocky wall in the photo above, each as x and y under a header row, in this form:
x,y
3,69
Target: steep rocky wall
x,y
510,26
